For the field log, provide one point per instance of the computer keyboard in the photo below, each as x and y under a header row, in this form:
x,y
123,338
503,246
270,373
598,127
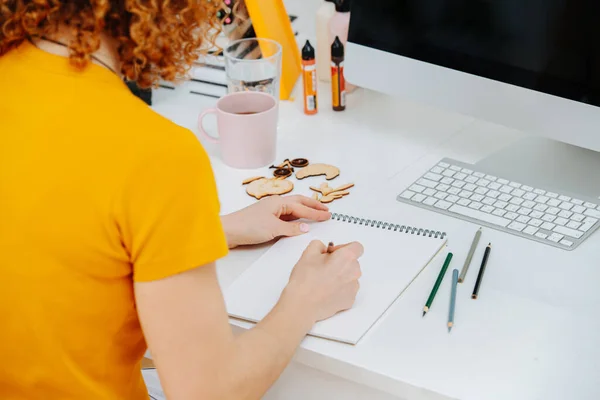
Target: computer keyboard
x,y
454,188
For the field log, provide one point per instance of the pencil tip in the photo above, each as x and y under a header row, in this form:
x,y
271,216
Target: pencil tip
x,y
449,329
424,312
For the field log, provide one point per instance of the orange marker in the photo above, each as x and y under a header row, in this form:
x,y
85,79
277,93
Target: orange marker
x,y
338,84
309,77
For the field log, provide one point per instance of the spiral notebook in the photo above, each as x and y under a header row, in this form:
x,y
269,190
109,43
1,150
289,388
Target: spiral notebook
x,y
394,255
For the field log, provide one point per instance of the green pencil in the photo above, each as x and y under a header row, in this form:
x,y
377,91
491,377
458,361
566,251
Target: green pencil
x,y
437,284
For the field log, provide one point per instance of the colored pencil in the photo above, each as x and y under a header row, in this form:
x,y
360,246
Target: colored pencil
x,y
465,267
437,284
452,300
481,271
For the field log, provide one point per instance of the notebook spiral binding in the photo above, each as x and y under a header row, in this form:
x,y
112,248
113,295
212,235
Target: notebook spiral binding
x,y
389,226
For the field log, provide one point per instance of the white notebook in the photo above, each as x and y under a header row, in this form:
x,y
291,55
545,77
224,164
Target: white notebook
x,y
394,255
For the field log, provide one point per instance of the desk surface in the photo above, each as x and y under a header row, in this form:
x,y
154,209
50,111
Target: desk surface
x,y
532,334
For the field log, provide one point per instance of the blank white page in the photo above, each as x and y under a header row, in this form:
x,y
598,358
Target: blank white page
x,y
391,261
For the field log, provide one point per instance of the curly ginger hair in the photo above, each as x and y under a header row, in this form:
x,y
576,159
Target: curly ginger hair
x,y
157,39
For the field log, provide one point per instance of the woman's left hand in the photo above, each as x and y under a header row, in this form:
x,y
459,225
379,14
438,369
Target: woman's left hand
x,y
272,217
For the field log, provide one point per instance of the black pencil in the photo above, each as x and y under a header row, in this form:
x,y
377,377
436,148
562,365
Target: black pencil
x,y
481,271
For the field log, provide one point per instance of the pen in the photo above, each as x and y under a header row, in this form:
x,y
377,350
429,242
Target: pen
x,y
437,284
465,267
330,247
452,300
481,271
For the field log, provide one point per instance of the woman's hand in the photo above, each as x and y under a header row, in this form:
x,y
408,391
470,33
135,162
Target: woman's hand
x,y
272,217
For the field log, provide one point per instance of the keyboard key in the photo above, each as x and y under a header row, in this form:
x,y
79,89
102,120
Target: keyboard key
x,y
488,201
490,178
539,192
448,173
470,187
443,164
504,197
481,190
548,217
577,217
502,181
475,205
516,200
566,242
540,207
552,195
590,219
465,194
553,210
477,197
515,185
441,196
427,183
460,176
433,177
578,209
471,179
518,192
489,218
566,205
577,202
455,168
442,187
444,205
487,209
565,214
542,199
561,221
536,222
516,226
541,235
437,170
430,201
452,198
548,226
529,196
463,202
479,174
536,214
586,226
512,207
494,186
418,197
407,194
493,194
511,215
592,213
555,237
506,189
590,205
523,219
429,192
524,211
564,198
530,230
483,182
467,171
417,188
574,225
447,181
500,204
458,184
454,190
499,212
527,188
553,202
528,204
563,230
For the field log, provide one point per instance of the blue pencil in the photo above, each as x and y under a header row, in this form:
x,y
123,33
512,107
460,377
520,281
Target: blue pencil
x,y
452,299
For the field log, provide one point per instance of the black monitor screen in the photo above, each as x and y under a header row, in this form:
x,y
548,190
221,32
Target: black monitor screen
x,y
552,46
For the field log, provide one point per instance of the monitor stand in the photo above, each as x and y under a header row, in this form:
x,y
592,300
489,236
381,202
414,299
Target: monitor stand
x,y
548,164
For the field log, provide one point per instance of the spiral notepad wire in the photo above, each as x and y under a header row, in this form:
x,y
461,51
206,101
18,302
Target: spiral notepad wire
x,y
389,226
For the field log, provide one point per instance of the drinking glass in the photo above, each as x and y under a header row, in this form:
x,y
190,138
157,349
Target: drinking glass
x,y
253,65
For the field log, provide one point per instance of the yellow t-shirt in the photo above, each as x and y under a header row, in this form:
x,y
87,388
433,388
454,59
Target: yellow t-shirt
x,y
96,191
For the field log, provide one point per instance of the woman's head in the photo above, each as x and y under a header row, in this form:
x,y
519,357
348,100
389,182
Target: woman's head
x,y
157,39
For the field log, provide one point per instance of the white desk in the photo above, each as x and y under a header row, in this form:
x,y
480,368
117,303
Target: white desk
x,y
534,332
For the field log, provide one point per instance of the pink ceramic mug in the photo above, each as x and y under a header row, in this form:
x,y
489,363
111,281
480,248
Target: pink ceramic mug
x,y
247,128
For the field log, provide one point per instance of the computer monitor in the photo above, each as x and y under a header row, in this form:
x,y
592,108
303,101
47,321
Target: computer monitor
x,y
530,65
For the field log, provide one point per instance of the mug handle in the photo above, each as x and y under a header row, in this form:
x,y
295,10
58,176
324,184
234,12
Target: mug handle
x,y
208,137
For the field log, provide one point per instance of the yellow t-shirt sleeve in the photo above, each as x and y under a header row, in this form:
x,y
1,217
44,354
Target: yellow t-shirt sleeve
x,y
169,213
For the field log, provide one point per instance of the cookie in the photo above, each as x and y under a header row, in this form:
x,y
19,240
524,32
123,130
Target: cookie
x,y
247,181
282,172
266,187
329,171
344,187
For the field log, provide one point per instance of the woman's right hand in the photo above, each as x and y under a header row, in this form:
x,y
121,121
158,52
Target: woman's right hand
x,y
325,283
